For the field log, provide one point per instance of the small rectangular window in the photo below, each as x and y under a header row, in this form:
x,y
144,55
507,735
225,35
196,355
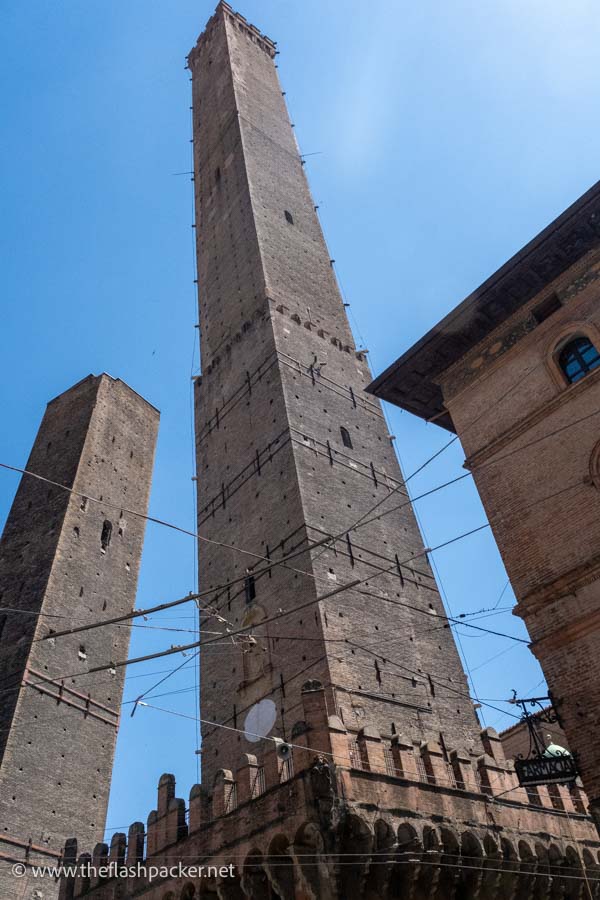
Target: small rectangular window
x,y
550,305
289,217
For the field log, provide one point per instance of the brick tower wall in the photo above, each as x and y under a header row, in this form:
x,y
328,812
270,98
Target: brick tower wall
x,y
281,378
535,463
58,734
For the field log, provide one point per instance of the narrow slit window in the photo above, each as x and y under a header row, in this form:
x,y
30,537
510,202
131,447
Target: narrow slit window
x,y
217,174
346,439
106,535
250,587
288,217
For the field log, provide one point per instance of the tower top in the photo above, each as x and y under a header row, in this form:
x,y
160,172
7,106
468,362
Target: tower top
x,y
102,375
224,10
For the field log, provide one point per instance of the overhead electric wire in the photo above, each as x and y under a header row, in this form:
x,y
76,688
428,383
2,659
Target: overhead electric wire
x,y
271,562
209,591
244,630
297,609
283,614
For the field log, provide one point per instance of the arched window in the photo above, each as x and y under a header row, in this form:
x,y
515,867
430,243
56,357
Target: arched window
x,y
346,439
577,358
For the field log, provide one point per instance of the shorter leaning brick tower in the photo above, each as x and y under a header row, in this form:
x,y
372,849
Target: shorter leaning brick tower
x,y
390,789
66,560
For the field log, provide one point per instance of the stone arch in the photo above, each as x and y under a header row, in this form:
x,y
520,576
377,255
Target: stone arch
x,y
431,839
207,889
491,848
222,775
472,874
543,876
355,841
555,855
509,851
188,892
589,860
224,796
384,837
281,866
383,858
356,836
526,853
308,849
309,836
449,841
409,845
408,838
541,854
471,846
255,880
572,861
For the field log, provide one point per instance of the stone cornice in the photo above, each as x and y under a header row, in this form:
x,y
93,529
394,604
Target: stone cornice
x,y
567,583
567,634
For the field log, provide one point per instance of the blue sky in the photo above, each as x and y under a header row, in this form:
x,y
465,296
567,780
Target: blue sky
x,y
444,137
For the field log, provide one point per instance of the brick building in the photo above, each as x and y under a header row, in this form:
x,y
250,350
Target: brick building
x,y
515,372
374,779
66,560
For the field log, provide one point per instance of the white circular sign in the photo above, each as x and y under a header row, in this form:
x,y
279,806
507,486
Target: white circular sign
x,y
260,720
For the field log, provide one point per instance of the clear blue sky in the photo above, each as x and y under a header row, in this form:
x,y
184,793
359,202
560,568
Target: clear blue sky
x,y
447,135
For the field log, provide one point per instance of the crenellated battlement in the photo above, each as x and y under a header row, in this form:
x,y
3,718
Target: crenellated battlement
x,y
240,22
334,776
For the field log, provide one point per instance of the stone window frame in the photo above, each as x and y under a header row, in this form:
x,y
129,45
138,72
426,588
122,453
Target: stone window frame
x,y
556,343
594,466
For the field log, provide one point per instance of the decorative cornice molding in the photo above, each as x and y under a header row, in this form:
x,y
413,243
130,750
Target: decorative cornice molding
x,y
567,634
567,583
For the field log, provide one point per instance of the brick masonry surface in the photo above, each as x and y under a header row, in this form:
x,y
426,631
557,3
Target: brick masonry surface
x,y
66,561
281,378
390,786
535,463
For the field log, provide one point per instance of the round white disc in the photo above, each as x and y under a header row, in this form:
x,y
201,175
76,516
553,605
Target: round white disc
x,y
260,720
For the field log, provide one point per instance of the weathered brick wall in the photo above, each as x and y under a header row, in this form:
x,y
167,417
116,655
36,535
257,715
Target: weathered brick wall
x,y
281,377
98,438
530,440
396,821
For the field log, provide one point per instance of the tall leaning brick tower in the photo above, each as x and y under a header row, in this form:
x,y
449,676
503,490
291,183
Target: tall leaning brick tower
x,y
372,779
290,449
65,561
